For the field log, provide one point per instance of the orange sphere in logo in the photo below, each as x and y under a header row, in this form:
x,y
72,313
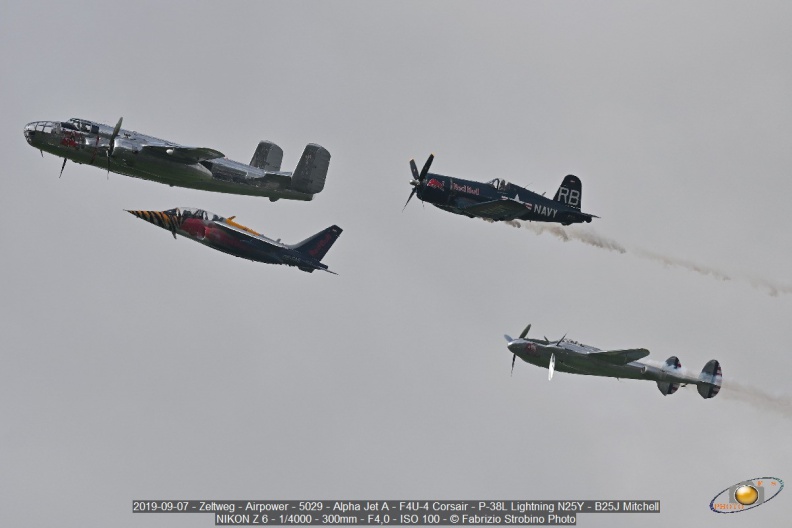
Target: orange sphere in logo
x,y
746,495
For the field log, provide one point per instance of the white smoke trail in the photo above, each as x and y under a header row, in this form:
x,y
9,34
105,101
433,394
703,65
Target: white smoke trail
x,y
757,398
591,238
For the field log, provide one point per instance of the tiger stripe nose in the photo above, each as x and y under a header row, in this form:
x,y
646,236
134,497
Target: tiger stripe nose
x,y
158,218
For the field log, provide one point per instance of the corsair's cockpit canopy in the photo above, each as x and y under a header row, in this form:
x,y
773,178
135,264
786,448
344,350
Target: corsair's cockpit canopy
x,y
501,185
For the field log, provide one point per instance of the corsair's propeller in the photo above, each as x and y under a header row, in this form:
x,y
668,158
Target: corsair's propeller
x,y
418,178
113,136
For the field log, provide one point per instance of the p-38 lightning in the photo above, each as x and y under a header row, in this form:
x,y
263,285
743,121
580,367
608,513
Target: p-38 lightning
x,y
224,234
498,199
576,358
141,156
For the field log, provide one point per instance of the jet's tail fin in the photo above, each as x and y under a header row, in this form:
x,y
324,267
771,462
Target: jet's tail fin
x,y
570,192
710,379
268,156
319,244
309,176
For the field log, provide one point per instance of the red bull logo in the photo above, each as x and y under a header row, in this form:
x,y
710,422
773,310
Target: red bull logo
x,y
435,184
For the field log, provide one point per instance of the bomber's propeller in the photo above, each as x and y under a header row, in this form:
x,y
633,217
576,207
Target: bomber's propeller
x,y
418,179
113,136
62,167
551,367
525,332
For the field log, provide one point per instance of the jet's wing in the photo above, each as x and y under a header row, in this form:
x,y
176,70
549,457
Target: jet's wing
x,y
182,154
247,237
503,209
620,357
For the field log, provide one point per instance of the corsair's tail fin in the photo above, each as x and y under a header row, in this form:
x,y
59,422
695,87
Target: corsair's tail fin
x,y
309,176
318,245
570,192
268,156
710,379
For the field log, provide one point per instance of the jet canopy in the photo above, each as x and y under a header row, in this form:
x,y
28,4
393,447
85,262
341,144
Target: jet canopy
x,y
501,185
194,212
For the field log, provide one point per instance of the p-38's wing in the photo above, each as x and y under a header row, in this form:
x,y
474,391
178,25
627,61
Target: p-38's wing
x,y
620,357
503,209
183,154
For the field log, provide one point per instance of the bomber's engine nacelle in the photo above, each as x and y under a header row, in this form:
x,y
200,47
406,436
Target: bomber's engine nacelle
x,y
125,150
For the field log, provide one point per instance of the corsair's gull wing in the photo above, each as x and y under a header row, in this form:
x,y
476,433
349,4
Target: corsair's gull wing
x,y
183,154
620,357
503,209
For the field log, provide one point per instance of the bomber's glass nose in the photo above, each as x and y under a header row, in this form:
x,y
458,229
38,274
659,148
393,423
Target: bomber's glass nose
x,y
38,127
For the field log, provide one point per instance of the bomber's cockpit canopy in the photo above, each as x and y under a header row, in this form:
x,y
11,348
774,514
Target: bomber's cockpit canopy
x,y
501,185
194,212
81,125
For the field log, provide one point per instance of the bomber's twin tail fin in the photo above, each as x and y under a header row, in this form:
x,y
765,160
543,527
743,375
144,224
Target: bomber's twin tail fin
x,y
309,176
319,244
570,192
268,156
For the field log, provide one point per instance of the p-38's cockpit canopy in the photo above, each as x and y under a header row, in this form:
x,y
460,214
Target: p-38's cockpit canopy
x,y
194,212
501,185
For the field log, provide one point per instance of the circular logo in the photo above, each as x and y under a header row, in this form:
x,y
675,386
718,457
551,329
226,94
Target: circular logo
x,y
746,495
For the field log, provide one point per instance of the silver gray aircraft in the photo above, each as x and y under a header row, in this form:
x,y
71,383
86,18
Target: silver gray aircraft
x,y
570,356
132,154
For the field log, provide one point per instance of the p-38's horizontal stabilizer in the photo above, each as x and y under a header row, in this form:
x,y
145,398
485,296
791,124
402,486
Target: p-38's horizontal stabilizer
x,y
183,154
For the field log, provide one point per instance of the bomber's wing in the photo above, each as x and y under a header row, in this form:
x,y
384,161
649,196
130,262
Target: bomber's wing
x,y
503,209
182,154
620,357
247,237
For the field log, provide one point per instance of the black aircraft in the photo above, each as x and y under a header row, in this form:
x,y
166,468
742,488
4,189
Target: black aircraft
x,y
498,199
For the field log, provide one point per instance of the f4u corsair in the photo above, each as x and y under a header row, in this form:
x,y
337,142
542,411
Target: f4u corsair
x,y
140,156
576,358
223,234
498,199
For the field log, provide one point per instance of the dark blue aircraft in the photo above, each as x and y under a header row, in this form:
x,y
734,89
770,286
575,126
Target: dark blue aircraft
x,y
498,199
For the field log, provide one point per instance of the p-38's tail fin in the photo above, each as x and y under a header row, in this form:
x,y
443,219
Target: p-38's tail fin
x,y
268,156
710,379
570,192
319,244
309,176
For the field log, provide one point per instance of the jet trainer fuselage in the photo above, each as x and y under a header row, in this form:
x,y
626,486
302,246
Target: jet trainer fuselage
x,y
141,156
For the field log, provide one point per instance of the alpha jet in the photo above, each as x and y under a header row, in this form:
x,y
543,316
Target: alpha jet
x,y
576,358
498,199
226,235
141,156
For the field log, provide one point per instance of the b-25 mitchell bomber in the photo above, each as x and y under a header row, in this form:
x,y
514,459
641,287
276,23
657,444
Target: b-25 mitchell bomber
x,y
576,358
141,156
226,235
498,199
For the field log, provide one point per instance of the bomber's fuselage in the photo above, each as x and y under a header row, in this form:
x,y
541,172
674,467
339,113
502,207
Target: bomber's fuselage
x,y
88,143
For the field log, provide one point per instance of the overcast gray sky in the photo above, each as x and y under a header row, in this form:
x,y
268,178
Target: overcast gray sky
x,y
136,366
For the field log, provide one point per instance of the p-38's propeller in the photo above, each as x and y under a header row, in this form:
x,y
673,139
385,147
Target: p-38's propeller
x,y
522,336
418,179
